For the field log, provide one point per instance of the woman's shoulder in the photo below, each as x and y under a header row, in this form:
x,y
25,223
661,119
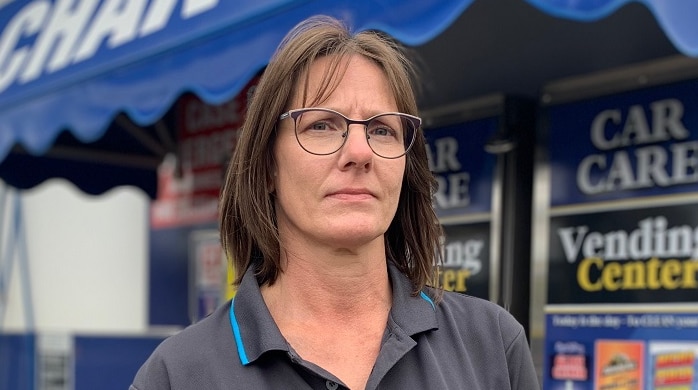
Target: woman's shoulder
x,y
184,356
196,342
211,331
474,314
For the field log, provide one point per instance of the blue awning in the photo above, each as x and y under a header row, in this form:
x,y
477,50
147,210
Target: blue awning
x,y
76,67
676,18
212,49
71,72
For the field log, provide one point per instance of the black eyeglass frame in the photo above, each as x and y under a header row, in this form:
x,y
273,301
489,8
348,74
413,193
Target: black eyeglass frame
x,y
294,114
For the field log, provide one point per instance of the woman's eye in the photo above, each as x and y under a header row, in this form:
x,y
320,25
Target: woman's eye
x,y
382,131
319,126
323,125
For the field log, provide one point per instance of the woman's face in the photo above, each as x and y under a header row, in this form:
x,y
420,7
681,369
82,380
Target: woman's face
x,y
345,200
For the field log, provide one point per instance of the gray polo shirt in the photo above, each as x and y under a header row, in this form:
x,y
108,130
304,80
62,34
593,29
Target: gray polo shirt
x,y
461,343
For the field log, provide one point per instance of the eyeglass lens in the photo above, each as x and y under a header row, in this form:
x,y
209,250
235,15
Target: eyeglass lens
x,y
324,132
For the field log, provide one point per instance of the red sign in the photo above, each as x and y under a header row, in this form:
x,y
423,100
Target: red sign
x,y
189,183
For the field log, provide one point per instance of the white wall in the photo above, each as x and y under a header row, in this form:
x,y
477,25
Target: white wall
x,y
87,260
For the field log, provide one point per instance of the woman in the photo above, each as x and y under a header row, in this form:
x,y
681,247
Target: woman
x,y
327,215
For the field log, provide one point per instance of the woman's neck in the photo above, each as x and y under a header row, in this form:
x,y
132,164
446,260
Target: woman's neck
x,y
330,284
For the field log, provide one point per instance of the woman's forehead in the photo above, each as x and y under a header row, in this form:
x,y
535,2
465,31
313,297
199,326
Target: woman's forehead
x,y
327,73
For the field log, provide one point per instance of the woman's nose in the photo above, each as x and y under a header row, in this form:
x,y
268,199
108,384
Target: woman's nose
x,y
356,150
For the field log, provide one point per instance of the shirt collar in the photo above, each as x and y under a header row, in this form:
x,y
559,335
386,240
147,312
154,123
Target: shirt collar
x,y
413,314
256,333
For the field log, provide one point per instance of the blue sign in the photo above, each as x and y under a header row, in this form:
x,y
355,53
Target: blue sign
x,y
463,168
634,144
633,350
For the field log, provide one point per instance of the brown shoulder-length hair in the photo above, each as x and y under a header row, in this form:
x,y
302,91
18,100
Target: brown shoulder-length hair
x,y
247,218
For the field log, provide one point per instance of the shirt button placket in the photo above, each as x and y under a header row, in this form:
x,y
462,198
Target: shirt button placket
x,y
331,385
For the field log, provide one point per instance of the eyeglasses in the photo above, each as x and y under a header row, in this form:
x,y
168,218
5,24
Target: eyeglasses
x,y
322,131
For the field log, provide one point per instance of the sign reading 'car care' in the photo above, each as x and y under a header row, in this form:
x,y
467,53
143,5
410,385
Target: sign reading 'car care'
x,y
463,169
639,144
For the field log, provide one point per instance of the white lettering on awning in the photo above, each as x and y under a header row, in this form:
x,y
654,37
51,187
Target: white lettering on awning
x,y
44,38
26,23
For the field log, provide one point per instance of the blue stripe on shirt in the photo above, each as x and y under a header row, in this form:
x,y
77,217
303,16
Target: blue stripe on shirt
x,y
426,298
238,338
